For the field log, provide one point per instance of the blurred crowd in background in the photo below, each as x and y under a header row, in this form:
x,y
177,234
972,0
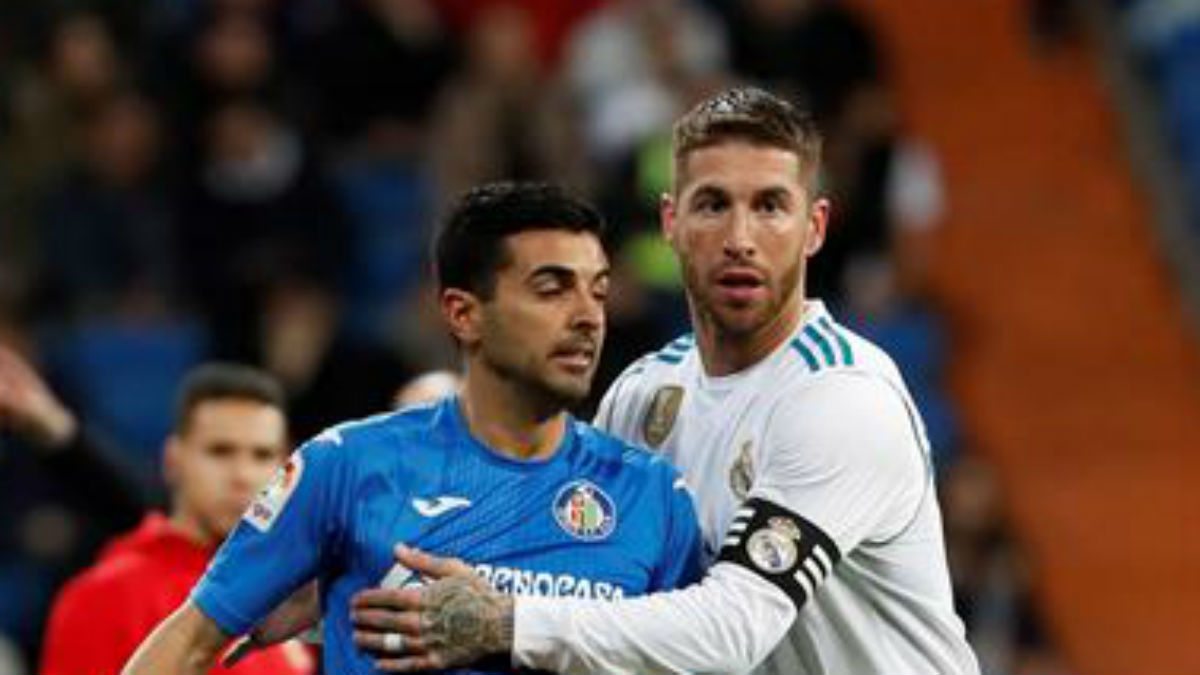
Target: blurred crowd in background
x,y
1165,37
256,180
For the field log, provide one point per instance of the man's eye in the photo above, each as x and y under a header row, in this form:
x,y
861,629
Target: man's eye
x,y
771,206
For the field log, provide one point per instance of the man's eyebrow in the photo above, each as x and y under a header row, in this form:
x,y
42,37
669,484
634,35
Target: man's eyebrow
x,y
559,272
564,273
707,190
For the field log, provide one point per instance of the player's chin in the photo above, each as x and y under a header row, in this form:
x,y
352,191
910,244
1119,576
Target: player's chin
x,y
739,319
571,387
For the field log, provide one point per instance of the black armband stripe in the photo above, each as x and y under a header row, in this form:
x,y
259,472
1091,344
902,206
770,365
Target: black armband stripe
x,y
780,546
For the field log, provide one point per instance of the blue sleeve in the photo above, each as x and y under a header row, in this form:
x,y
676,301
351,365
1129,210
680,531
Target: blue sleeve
x,y
680,562
286,537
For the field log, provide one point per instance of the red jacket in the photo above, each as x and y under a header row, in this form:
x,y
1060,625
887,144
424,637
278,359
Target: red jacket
x,y
101,616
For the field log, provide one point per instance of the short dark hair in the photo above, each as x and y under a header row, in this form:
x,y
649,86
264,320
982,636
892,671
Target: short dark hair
x,y
750,114
469,247
217,380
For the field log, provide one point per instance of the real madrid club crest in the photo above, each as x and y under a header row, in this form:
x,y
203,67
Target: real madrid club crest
x,y
584,511
774,548
741,474
660,418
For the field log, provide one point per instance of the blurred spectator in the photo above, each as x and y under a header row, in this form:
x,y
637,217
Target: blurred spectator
x,y
551,21
63,489
992,588
258,209
635,64
818,52
230,437
75,454
230,55
502,117
329,374
104,229
77,68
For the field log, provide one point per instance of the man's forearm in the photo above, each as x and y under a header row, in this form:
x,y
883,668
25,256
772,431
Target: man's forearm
x,y
727,624
185,643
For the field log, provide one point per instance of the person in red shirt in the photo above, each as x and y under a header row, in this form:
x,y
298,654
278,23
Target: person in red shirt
x,y
230,437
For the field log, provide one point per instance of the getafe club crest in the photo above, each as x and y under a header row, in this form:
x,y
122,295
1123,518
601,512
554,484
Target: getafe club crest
x,y
660,418
584,511
741,474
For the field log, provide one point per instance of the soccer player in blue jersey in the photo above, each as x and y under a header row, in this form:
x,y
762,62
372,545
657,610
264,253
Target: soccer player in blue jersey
x,y
541,503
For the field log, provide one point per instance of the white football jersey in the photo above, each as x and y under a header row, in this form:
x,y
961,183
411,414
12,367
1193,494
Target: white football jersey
x,y
813,483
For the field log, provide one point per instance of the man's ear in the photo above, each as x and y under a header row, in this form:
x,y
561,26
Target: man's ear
x,y
818,225
461,312
172,458
666,216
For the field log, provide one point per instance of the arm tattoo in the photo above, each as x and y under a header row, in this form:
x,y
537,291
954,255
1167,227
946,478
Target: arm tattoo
x,y
464,619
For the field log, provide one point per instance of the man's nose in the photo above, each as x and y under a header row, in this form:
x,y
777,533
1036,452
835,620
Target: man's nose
x,y
738,243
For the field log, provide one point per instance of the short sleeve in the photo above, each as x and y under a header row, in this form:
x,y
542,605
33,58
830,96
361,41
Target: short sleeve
x,y
847,455
283,540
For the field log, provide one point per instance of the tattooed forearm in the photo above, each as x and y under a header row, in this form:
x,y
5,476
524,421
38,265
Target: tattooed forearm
x,y
464,619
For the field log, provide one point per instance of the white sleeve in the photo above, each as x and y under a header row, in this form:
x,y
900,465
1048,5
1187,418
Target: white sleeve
x,y
843,462
727,623
848,456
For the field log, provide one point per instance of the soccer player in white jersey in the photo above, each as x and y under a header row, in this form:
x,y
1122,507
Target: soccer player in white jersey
x,y
807,458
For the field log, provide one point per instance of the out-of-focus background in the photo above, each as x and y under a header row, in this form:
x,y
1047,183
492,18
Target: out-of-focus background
x,y
1017,220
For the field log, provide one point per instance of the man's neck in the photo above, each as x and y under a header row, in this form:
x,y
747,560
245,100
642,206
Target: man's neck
x,y
725,353
509,422
189,526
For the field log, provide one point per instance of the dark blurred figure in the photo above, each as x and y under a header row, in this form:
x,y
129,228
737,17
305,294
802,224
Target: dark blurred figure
x,y
230,52
1052,24
104,228
63,490
992,582
76,67
818,52
330,374
379,70
257,209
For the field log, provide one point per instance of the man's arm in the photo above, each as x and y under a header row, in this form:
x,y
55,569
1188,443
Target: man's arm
x,y
185,643
726,624
827,481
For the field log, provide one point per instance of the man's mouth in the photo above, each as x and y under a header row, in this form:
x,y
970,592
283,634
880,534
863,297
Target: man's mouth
x,y
740,284
576,356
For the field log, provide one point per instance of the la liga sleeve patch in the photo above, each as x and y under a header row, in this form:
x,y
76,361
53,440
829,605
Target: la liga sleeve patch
x,y
271,500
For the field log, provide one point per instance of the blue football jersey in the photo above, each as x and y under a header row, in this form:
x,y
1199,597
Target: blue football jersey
x,y
597,519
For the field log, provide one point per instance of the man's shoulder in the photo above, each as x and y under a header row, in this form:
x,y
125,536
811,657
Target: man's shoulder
x,y
637,462
122,578
657,368
383,428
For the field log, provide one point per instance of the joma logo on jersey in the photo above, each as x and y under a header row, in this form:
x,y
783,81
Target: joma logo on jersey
x,y
584,511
